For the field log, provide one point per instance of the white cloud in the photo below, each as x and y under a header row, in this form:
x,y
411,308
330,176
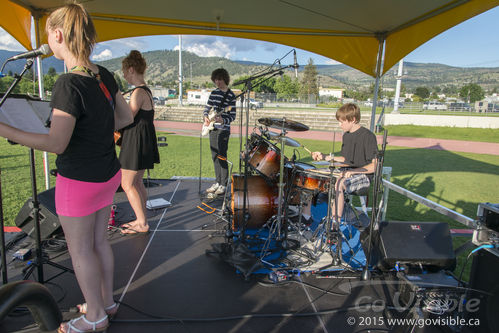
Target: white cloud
x,y
332,62
104,55
208,48
7,42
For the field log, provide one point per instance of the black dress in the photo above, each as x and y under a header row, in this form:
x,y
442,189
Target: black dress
x,y
139,147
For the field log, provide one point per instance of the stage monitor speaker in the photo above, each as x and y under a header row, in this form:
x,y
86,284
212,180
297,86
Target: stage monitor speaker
x,y
49,223
415,243
484,286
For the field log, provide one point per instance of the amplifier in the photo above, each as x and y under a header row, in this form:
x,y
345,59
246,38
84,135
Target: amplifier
x,y
487,227
435,293
426,244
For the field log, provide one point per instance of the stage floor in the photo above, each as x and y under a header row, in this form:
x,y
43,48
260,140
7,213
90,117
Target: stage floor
x,y
166,282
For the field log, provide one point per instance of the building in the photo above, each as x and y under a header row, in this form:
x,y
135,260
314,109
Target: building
x,y
331,92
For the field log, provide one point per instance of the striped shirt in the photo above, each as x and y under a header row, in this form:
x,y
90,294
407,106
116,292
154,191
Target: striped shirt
x,y
229,115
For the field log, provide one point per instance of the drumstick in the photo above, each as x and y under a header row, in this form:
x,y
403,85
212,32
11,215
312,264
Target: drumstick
x,y
308,150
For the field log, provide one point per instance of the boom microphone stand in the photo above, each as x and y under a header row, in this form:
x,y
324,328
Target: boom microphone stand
x,y
35,205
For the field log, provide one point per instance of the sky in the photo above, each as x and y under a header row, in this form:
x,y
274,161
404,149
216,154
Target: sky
x,y
473,43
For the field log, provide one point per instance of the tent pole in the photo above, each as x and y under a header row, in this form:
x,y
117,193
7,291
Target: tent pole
x,y
379,68
41,93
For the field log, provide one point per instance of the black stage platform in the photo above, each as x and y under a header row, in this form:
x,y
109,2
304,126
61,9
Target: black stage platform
x,y
166,282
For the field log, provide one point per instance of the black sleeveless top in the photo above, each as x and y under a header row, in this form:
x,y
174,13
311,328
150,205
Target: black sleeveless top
x,y
139,147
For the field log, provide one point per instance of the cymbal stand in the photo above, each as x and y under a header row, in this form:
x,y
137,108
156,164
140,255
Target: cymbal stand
x,y
378,174
323,234
334,223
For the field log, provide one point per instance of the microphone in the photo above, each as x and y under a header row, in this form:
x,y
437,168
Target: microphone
x,y
295,65
42,50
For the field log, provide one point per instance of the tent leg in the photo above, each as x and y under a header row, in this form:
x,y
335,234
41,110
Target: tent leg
x,y
379,69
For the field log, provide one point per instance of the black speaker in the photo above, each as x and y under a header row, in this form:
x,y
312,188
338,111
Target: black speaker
x,y
49,223
415,243
484,290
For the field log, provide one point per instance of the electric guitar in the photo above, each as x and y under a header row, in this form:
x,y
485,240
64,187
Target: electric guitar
x,y
211,116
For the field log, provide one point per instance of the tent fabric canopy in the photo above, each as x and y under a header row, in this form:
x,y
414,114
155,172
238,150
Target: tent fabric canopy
x,y
349,31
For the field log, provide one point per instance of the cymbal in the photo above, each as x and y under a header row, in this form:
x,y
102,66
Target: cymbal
x,y
335,164
287,124
287,141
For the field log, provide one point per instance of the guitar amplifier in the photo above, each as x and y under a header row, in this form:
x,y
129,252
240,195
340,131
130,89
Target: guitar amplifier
x,y
487,227
415,243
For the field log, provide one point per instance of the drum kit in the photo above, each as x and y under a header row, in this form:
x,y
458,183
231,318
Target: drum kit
x,y
275,188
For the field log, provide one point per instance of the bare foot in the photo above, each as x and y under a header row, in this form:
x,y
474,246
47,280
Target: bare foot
x,y
135,225
135,230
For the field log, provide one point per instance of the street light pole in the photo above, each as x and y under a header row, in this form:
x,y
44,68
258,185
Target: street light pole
x,y
397,89
181,93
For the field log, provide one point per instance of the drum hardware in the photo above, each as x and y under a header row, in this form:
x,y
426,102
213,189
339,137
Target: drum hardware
x,y
378,174
287,141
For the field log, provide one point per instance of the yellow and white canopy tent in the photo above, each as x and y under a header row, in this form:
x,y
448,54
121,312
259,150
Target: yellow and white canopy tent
x,y
368,35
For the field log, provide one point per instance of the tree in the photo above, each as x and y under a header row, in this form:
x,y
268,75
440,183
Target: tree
x,y
422,92
49,81
122,84
286,88
471,92
309,81
52,71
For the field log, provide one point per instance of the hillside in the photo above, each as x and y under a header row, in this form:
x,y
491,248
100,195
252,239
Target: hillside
x,y
163,69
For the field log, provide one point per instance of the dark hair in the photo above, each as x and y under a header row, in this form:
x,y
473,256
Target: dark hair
x,y
220,73
134,60
350,112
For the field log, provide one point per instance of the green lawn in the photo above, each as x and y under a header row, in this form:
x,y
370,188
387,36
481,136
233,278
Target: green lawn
x,y
449,133
459,181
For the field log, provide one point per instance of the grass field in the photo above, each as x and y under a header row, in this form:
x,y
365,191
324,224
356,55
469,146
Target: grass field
x,y
459,181
448,133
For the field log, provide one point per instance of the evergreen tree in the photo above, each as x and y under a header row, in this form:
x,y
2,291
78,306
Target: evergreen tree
x,y
309,81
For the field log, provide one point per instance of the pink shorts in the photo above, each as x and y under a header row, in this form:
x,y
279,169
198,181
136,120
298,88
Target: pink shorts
x,y
77,198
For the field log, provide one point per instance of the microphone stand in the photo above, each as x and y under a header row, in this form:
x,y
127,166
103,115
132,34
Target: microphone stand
x,y
35,205
366,275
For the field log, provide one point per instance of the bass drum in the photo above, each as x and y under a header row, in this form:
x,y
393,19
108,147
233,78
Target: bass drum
x,y
261,201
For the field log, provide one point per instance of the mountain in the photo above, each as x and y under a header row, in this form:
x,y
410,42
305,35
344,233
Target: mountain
x,y
163,69
18,65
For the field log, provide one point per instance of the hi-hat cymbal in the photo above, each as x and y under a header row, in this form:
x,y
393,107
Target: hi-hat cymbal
x,y
287,124
321,162
287,141
335,164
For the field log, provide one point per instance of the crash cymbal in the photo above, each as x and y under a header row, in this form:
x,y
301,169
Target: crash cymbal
x,y
287,124
287,141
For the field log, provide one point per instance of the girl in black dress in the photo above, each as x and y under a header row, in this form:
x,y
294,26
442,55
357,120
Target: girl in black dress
x,y
139,148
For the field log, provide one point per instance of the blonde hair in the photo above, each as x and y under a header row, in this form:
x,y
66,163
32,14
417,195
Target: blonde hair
x,y
134,60
78,29
349,112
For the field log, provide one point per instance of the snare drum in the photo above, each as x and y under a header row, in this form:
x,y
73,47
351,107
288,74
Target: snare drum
x,y
307,177
261,201
264,157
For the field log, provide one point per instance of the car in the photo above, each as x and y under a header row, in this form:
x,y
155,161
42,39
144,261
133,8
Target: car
x,y
434,106
459,107
254,104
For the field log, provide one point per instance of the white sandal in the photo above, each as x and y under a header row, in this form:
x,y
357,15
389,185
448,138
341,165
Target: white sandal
x,y
70,325
82,308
